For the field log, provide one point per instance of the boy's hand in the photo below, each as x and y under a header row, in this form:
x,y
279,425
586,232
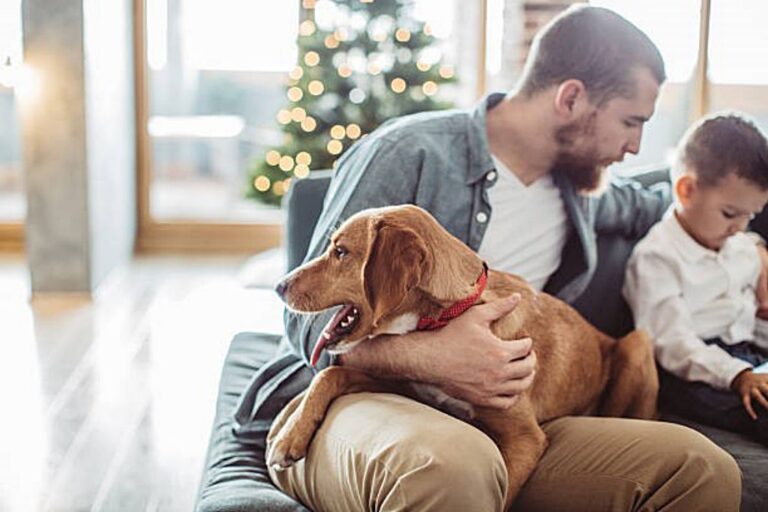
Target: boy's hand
x,y
749,385
762,284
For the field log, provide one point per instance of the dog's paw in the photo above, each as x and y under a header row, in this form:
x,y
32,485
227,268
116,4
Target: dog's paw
x,y
285,451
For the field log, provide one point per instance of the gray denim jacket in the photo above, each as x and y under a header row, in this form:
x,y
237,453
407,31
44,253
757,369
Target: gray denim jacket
x,y
441,162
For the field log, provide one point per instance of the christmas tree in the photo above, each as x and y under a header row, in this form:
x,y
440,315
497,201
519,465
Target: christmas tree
x,y
361,62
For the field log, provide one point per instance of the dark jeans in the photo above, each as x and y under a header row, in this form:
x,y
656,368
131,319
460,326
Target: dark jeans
x,y
719,408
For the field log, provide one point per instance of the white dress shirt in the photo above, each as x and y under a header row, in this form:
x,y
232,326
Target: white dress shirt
x,y
683,293
527,229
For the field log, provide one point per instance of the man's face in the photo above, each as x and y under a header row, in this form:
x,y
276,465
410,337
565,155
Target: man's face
x,y
606,133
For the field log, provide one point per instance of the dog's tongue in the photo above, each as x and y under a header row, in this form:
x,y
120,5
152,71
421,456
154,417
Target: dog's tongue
x,y
329,334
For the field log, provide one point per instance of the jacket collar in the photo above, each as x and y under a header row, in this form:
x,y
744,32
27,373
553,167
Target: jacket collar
x,y
480,152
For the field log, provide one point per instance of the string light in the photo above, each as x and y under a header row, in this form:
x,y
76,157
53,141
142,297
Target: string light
x,y
353,131
398,85
331,42
278,188
311,59
341,33
338,132
273,157
308,124
303,158
429,88
357,95
301,171
374,68
423,65
316,87
298,114
283,117
334,147
403,35
296,73
308,4
345,71
307,28
295,94
446,71
428,29
261,183
286,163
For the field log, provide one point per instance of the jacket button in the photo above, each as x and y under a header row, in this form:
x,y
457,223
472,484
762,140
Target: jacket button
x,y
481,217
491,176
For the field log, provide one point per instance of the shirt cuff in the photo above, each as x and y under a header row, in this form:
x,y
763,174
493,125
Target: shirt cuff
x,y
735,367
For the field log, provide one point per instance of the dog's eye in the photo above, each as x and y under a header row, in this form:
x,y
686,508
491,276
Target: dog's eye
x,y
339,252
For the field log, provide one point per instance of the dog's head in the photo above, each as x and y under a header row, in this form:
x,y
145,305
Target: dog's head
x,y
386,267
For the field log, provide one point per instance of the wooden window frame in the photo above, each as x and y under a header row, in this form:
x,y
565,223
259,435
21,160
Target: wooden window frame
x,y
167,236
12,236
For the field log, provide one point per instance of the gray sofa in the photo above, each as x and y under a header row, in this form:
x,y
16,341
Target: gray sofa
x,y
234,478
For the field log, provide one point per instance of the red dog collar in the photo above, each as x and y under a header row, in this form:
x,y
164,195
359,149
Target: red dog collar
x,y
427,323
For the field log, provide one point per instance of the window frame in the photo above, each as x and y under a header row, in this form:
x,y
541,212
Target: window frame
x,y
168,235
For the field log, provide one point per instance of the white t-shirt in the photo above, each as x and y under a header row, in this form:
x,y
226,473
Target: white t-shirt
x,y
683,293
528,227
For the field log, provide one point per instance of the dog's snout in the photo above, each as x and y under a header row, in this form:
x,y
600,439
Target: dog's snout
x,y
281,288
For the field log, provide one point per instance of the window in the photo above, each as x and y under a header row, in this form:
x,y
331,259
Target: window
x,y
213,93
738,59
12,200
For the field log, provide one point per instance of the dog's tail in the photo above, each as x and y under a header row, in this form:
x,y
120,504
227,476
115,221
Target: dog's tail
x,y
633,388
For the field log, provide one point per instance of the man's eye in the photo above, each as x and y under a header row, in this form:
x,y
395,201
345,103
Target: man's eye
x,y
629,124
728,215
339,252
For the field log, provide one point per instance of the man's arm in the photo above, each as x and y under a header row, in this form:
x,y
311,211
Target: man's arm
x,y
463,358
629,209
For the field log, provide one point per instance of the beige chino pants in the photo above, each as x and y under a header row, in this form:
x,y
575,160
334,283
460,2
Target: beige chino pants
x,y
386,452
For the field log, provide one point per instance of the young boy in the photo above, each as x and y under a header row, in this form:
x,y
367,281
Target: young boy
x,y
691,281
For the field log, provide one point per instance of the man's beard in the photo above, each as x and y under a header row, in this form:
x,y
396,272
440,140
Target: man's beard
x,y
583,169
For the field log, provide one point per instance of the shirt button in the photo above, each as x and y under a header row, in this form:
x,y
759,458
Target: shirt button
x,y
491,176
481,217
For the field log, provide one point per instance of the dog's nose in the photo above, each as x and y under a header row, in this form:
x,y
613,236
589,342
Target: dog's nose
x,y
281,287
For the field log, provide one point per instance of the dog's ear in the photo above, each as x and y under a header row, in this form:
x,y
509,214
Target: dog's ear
x,y
394,267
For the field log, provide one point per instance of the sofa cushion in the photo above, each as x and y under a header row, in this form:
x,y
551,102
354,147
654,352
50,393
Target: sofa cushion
x,y
235,476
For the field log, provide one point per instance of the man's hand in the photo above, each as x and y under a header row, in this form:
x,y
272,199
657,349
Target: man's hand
x,y
762,284
470,363
749,385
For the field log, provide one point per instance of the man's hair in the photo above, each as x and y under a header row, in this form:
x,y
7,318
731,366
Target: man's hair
x,y
593,45
724,144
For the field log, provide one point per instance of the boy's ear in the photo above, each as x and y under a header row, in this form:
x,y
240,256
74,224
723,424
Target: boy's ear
x,y
685,186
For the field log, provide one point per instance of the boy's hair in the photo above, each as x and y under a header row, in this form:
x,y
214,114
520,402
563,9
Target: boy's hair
x,y
593,45
723,144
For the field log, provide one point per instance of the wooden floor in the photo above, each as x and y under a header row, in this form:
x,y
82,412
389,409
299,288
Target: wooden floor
x,y
107,404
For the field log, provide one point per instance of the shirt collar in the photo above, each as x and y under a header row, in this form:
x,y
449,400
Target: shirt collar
x,y
480,153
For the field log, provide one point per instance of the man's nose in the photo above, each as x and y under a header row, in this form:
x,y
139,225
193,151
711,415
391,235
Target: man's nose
x,y
633,145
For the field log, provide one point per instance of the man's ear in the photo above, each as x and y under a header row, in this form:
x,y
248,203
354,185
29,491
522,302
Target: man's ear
x,y
571,99
685,187
394,267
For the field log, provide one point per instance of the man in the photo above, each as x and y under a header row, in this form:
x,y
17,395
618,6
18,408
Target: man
x,y
511,180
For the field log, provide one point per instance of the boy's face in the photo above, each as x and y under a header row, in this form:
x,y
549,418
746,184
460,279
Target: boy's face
x,y
712,214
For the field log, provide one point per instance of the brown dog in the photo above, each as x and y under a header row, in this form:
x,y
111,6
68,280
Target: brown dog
x,y
395,269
